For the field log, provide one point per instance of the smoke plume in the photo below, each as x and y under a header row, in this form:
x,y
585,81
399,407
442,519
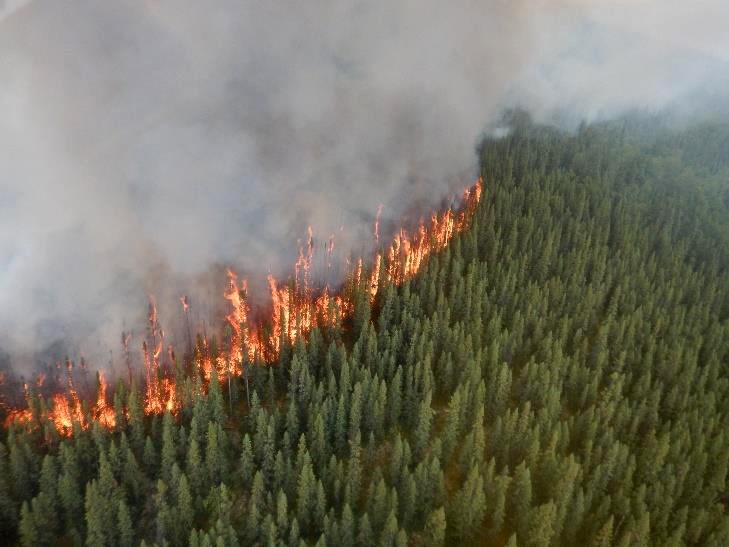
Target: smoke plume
x,y
145,144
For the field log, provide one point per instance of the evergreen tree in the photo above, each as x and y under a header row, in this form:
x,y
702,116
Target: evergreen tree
x,y
29,536
215,399
125,529
97,531
215,460
347,527
423,427
169,449
305,496
365,535
558,369
185,510
435,528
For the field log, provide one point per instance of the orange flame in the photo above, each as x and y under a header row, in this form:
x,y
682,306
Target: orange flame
x,y
103,412
377,223
296,310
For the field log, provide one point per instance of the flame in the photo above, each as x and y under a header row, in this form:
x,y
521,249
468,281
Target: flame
x,y
296,309
237,318
375,276
162,398
66,411
20,416
103,412
157,386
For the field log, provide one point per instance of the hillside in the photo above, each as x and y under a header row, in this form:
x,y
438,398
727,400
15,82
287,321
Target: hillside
x,y
557,375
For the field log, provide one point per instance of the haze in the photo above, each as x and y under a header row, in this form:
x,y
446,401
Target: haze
x,y
145,144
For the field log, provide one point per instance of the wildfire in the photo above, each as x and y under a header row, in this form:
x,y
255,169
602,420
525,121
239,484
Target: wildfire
x,y
296,309
66,411
103,412
238,317
377,223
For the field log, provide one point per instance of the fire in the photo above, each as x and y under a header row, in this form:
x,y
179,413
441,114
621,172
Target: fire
x,y
238,317
375,276
66,411
296,309
160,391
103,412
162,398
377,223
22,416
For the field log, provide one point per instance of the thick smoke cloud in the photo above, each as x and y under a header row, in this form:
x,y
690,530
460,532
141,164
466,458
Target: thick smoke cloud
x,y
146,144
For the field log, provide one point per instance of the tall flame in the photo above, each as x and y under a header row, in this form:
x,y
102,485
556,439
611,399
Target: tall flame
x,y
296,309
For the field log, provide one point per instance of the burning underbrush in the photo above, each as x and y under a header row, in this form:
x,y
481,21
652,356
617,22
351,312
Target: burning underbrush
x,y
252,336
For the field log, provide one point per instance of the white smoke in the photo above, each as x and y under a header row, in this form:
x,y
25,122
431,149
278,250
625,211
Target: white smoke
x,y
143,144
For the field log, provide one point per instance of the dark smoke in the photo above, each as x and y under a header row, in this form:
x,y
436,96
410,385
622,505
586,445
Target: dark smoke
x,y
144,145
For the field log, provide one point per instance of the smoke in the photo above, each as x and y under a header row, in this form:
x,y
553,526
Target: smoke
x,y
146,144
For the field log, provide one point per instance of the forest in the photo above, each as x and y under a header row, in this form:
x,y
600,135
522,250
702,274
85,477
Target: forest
x,y
557,375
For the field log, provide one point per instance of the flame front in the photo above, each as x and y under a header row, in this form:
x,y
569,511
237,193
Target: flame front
x,y
296,309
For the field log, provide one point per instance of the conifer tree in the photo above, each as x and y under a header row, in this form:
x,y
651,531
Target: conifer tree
x,y
305,497
347,528
125,530
365,535
423,427
214,456
97,532
282,511
169,449
185,510
136,419
215,399
388,536
246,461
28,530
435,528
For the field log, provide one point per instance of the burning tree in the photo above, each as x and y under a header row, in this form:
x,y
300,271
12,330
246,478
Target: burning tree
x,y
297,308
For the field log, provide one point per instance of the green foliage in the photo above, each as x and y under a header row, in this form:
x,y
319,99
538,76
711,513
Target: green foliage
x,y
435,528
125,529
556,376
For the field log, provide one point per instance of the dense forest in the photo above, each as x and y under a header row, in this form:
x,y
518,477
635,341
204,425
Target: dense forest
x,y
558,375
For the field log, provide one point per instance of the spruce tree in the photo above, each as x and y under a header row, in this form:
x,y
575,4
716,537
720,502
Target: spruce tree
x,y
435,528
125,529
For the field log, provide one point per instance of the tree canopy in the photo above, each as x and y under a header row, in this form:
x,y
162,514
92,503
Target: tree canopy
x,y
558,375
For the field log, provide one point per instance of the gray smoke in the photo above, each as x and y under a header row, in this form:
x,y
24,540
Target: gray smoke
x,y
146,144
